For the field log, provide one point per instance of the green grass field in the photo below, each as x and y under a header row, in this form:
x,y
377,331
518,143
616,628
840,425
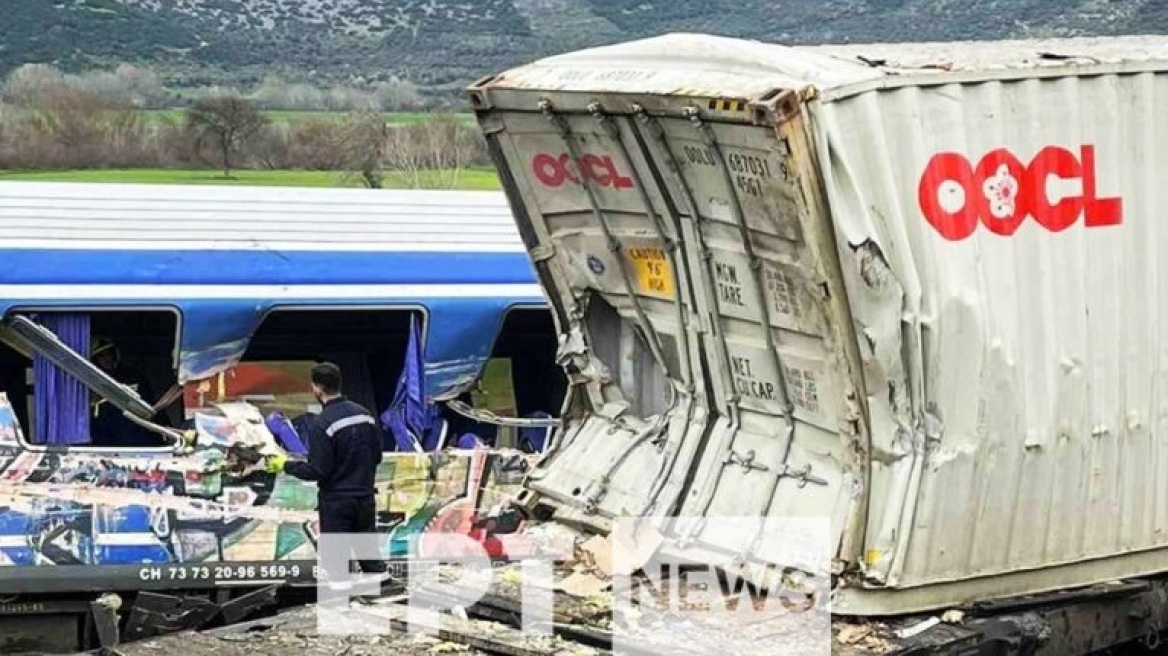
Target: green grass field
x,y
281,116
471,179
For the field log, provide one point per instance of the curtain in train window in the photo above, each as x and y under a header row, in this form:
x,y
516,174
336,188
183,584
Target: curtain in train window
x,y
62,401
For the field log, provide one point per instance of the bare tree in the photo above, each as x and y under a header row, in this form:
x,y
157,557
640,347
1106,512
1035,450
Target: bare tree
x,y
228,122
270,147
434,152
26,84
75,127
405,155
127,86
275,93
454,146
398,95
10,125
341,98
363,139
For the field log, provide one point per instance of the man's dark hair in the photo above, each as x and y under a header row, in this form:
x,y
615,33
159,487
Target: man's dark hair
x,y
327,376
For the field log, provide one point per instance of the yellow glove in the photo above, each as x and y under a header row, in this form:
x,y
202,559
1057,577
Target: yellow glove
x,y
275,464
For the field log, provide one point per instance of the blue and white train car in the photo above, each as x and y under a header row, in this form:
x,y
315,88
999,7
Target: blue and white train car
x,y
194,294
189,280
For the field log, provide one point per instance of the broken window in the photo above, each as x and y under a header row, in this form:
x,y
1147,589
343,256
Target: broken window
x,y
51,362
81,378
274,375
368,345
520,380
620,345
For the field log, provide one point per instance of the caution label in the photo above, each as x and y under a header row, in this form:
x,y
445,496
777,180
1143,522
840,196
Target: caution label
x,y
654,274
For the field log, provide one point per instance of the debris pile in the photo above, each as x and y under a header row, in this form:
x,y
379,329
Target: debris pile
x,y
602,599
602,603
863,636
295,632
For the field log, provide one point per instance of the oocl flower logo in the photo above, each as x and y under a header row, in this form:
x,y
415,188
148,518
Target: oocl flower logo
x,y
1001,191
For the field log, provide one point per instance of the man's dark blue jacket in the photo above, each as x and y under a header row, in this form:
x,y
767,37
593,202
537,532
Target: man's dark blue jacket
x,y
344,450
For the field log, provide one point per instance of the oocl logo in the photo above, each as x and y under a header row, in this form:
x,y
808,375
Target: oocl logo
x,y
554,171
1001,191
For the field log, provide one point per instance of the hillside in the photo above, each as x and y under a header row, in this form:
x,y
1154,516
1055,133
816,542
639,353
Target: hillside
x,y
446,43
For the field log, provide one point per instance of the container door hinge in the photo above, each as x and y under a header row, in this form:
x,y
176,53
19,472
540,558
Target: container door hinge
x,y
802,475
543,252
745,461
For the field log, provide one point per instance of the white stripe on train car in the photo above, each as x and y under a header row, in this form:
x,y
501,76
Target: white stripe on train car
x,y
126,540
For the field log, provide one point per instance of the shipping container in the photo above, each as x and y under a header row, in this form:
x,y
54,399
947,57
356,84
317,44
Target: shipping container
x,y
914,288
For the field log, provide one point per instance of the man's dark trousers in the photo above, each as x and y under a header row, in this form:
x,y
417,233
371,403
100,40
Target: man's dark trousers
x,y
354,514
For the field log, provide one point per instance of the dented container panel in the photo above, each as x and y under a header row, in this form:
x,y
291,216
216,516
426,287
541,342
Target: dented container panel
x,y
700,237
921,296
1003,246
780,444
610,239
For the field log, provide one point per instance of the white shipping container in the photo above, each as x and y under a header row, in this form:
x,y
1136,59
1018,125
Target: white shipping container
x,y
911,287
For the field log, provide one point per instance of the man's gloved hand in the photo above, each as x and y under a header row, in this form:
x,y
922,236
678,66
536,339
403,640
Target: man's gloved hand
x,y
275,464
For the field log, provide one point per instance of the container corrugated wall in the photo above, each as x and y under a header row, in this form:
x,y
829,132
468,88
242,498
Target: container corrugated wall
x,y
1036,353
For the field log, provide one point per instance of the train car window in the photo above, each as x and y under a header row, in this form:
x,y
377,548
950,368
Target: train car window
x,y
522,379
134,347
16,381
368,345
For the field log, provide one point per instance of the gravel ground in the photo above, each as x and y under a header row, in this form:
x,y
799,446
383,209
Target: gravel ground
x,y
292,634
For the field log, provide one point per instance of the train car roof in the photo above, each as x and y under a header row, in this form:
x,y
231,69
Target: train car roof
x,y
188,234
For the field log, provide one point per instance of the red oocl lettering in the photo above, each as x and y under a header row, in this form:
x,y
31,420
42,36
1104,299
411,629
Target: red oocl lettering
x,y
1001,191
554,171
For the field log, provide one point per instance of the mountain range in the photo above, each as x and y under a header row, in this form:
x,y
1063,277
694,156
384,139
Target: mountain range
x,y
444,44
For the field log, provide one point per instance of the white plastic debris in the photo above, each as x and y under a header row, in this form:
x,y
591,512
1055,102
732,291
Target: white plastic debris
x,y
918,628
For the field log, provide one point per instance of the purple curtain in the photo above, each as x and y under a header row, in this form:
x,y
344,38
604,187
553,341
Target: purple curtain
x,y
62,402
410,417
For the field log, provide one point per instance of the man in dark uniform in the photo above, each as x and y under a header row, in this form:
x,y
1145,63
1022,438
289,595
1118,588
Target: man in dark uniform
x,y
108,426
344,450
